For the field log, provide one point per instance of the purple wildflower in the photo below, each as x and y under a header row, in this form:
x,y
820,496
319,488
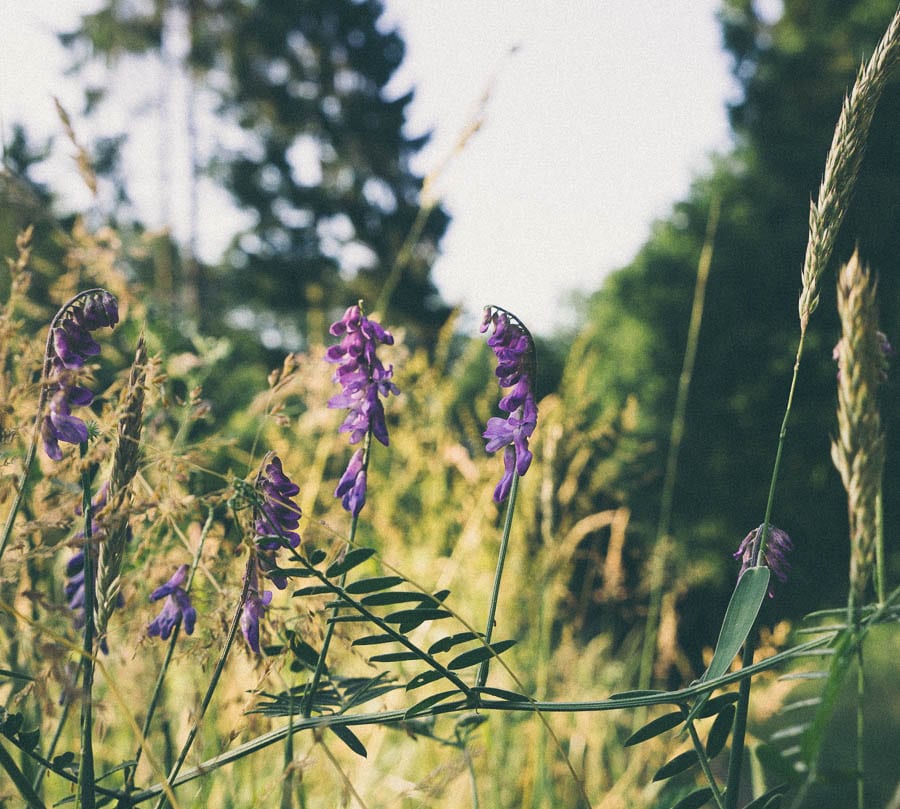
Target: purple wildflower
x,y
254,608
513,346
364,381
778,545
68,349
177,608
276,518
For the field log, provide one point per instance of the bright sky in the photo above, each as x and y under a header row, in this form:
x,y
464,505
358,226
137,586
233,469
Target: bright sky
x,y
595,126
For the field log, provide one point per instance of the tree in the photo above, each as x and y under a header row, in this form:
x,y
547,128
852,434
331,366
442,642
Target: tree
x,y
321,159
793,73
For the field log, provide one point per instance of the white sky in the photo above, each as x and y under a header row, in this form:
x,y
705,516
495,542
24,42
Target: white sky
x,y
594,127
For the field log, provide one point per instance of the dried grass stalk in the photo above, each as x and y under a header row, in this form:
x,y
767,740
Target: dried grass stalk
x,y
858,450
113,518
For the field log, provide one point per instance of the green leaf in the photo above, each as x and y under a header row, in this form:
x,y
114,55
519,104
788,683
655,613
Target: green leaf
x,y
423,679
316,556
374,585
349,738
680,763
716,704
304,653
479,654
445,644
63,760
429,702
502,693
695,800
416,617
352,559
654,728
394,597
394,657
312,590
740,616
28,739
373,640
15,675
719,732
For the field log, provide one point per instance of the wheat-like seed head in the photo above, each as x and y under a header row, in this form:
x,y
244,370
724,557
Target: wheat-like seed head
x,y
858,450
114,516
843,162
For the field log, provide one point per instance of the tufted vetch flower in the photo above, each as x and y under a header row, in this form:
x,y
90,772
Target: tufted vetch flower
x,y
69,347
365,381
276,516
177,606
513,347
778,545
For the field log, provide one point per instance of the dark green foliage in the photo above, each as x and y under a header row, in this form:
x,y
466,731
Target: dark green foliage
x,y
349,738
323,161
695,799
718,733
681,762
793,75
655,727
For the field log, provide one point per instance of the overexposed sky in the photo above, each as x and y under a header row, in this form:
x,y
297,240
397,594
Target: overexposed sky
x,y
594,127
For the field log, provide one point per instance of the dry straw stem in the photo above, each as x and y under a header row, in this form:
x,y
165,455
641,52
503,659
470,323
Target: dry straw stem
x,y
858,450
114,517
843,162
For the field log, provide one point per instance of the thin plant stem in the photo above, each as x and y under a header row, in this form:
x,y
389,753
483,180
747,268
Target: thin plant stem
x,y
880,584
660,552
704,762
86,767
498,575
307,704
214,681
860,727
176,631
57,734
739,730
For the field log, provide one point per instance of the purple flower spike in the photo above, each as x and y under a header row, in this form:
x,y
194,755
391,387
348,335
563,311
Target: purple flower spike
x,y
68,349
254,608
365,382
177,607
778,545
513,346
277,518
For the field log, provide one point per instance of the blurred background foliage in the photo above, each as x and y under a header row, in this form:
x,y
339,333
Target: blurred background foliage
x,y
321,168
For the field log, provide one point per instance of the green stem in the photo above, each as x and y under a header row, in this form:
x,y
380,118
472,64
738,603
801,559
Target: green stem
x,y
860,727
880,584
739,730
26,791
170,651
498,575
660,552
57,734
704,762
307,704
86,769
214,681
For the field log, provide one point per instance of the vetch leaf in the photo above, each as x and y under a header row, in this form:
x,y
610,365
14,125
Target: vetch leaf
x,y
429,702
349,738
680,763
719,732
716,704
416,617
352,559
654,728
770,799
423,679
374,585
479,654
502,693
312,590
446,644
740,615
695,800
373,640
394,657
394,597
316,556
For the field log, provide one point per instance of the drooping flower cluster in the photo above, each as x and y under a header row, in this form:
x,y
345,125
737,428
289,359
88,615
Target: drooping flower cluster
x,y
364,381
275,523
68,349
778,545
177,608
514,348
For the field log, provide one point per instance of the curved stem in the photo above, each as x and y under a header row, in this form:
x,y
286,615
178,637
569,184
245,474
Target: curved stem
x,y
498,575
